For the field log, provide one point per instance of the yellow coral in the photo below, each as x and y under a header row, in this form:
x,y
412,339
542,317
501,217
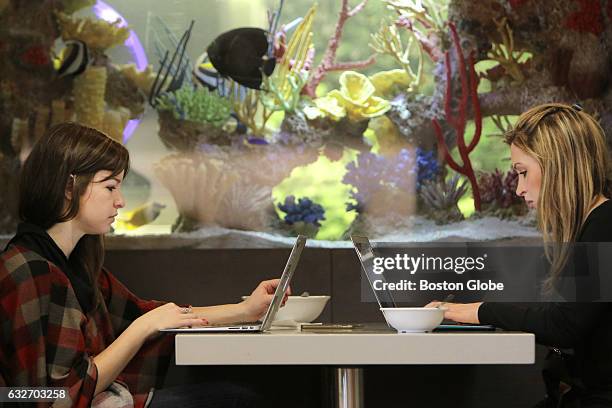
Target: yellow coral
x,y
143,80
390,141
89,91
330,107
355,99
389,83
97,34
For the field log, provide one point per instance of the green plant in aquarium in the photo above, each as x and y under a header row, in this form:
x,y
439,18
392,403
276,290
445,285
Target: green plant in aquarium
x,y
197,105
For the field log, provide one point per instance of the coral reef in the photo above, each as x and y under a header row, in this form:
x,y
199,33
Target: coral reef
x,y
389,184
143,80
89,92
304,216
198,183
355,100
196,105
458,121
97,34
424,19
285,84
388,41
498,194
328,62
440,200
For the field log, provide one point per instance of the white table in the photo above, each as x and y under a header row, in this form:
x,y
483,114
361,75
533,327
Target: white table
x,y
347,350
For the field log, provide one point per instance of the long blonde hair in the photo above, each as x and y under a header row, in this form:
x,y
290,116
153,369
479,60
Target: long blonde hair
x,y
570,148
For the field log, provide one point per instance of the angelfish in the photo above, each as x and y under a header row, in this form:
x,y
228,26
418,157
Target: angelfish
x,y
242,55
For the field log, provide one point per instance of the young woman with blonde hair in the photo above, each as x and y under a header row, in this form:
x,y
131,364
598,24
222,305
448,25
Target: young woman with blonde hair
x,y
66,321
562,161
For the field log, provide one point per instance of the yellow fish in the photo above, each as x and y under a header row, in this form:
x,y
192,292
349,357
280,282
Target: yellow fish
x,y
139,216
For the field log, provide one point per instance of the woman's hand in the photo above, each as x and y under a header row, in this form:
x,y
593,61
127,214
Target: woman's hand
x,y
460,312
255,306
168,316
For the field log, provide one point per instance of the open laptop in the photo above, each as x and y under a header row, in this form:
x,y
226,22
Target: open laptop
x,y
384,297
279,294
366,258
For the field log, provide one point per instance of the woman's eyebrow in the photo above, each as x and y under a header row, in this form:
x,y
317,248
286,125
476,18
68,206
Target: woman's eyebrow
x,y
112,178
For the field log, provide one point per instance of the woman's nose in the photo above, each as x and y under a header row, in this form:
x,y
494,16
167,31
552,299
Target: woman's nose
x,y
520,191
119,200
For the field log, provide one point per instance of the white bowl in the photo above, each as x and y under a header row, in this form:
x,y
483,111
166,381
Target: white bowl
x,y
300,309
413,319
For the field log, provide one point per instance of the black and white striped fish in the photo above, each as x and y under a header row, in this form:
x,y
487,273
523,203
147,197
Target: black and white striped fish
x,y
73,59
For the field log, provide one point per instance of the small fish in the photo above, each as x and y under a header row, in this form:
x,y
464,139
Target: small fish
x,y
257,141
73,59
242,55
205,73
142,215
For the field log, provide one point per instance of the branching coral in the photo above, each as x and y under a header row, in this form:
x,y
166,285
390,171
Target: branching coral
x,y
328,63
424,19
458,121
388,41
505,53
250,108
97,34
283,88
197,105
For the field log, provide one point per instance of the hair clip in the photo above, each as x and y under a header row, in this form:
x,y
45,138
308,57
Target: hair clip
x,y
577,107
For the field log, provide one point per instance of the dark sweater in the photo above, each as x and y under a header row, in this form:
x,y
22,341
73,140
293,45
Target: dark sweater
x,y
584,327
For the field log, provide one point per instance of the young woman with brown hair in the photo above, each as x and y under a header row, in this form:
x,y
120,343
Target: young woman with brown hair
x,y
562,161
65,320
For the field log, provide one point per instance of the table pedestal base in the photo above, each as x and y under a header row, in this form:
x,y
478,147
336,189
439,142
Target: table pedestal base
x,y
348,387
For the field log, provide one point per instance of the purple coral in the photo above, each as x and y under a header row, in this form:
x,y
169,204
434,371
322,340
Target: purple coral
x,y
498,189
371,173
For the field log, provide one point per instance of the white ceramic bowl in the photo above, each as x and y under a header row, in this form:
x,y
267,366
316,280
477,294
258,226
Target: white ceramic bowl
x,y
301,309
413,319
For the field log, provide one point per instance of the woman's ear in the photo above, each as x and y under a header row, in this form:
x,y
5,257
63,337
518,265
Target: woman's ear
x,y
70,187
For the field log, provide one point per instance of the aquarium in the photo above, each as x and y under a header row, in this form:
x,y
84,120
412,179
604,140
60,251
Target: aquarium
x,y
268,118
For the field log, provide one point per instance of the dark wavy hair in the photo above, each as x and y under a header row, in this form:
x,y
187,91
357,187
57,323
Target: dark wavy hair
x,y
66,150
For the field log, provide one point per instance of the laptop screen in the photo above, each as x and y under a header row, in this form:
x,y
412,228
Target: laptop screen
x,y
285,279
366,258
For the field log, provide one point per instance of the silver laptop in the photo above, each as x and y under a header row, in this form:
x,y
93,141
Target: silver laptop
x,y
366,258
279,294
384,297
